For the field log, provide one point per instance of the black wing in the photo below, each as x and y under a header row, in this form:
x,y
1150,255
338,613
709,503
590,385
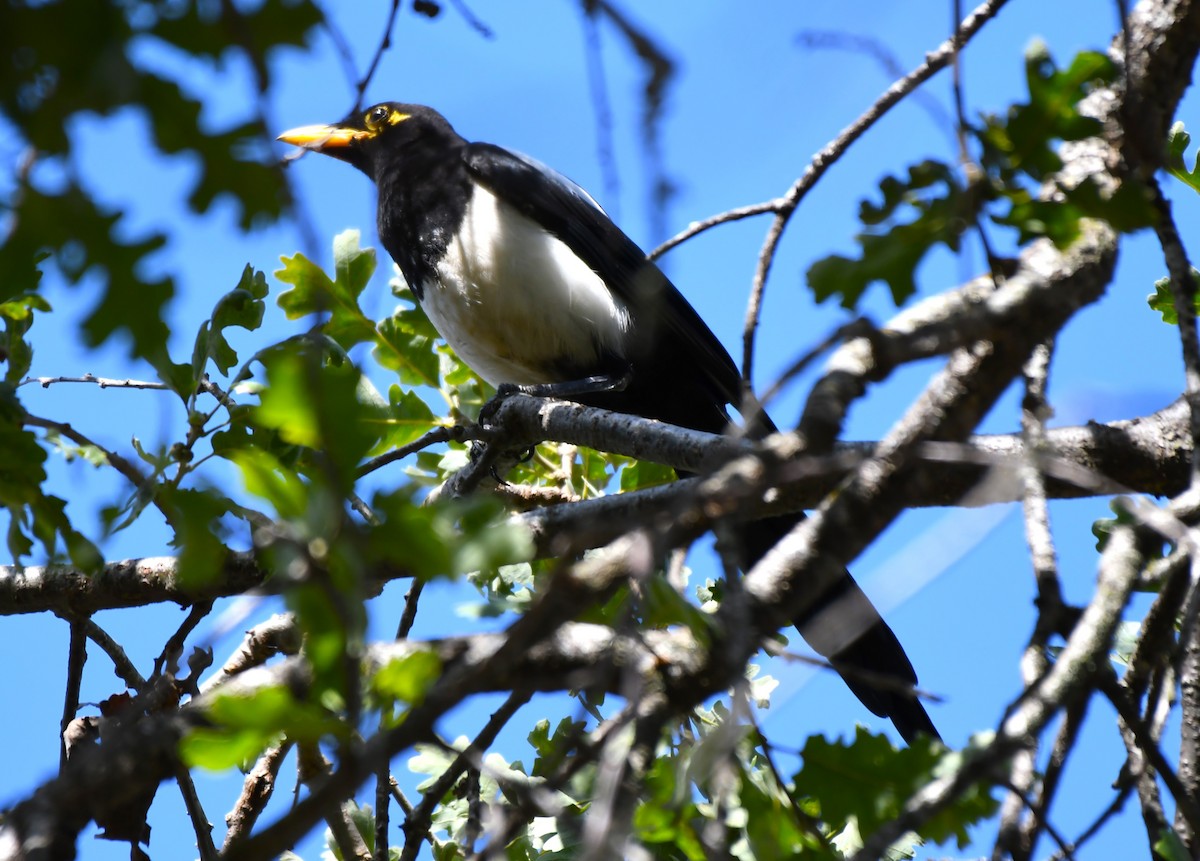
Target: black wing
x,y
570,213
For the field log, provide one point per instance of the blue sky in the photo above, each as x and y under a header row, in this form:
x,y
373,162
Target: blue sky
x,y
746,112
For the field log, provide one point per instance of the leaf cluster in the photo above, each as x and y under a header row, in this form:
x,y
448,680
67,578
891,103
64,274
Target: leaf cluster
x,y
70,62
1015,184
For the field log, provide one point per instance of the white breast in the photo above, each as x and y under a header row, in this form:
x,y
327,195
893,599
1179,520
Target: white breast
x,y
515,302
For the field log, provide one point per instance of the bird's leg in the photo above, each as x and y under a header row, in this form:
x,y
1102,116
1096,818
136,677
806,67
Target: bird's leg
x,y
570,389
567,390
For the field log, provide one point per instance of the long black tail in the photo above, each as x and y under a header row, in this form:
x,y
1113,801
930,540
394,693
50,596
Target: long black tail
x,y
845,628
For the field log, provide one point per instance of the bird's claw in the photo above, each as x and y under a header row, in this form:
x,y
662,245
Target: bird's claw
x,y
488,411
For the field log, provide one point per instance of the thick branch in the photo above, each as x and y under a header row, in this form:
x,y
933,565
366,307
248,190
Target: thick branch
x,y
1145,455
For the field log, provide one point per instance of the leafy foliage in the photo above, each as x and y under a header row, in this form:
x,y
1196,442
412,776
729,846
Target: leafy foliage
x,y
1018,159
841,775
66,65
891,253
242,726
297,423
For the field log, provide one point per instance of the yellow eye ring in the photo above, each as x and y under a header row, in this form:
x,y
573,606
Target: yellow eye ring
x,y
377,117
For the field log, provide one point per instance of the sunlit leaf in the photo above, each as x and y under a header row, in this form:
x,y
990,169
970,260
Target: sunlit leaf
x,y
406,679
1162,299
1178,141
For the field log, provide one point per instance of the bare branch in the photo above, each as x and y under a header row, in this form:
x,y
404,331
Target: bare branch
x,y
1149,455
257,789
416,828
935,61
76,658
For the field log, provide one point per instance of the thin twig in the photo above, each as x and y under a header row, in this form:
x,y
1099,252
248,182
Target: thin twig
x,y
168,659
1183,292
878,50
730,215
1189,730
116,461
383,797
416,828
1185,803
345,53
121,663
601,108
1098,823
1013,832
934,62
102,382
1064,745
475,22
1070,677
385,43
76,658
452,433
362,508
660,69
409,616
345,833
1063,846
195,810
278,635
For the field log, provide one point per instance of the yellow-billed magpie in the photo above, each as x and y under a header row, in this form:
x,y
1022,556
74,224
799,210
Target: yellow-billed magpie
x,y
535,287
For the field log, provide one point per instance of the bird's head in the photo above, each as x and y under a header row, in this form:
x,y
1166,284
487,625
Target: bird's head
x,y
375,135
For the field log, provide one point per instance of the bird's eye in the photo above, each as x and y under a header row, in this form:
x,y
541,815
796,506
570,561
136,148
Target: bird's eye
x,y
377,117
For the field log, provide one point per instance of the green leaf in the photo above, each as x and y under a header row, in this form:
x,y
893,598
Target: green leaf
x,y
1162,299
242,307
240,726
21,468
217,750
401,420
869,782
1151,544
1023,141
84,240
664,607
331,628
892,251
445,538
406,679
405,344
313,292
639,475
433,760
18,315
1178,141
1018,154
552,748
196,516
1170,847
315,404
203,31
33,514
665,817
268,478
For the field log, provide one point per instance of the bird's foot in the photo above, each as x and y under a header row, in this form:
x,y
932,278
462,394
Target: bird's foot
x,y
504,391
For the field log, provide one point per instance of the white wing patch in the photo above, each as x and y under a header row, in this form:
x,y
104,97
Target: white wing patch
x,y
515,302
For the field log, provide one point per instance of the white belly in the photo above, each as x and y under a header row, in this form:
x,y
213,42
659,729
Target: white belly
x,y
516,303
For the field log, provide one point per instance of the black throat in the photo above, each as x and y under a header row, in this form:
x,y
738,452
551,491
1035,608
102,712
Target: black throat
x,y
424,189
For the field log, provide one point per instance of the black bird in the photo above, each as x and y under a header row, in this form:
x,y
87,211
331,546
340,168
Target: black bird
x,y
533,285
